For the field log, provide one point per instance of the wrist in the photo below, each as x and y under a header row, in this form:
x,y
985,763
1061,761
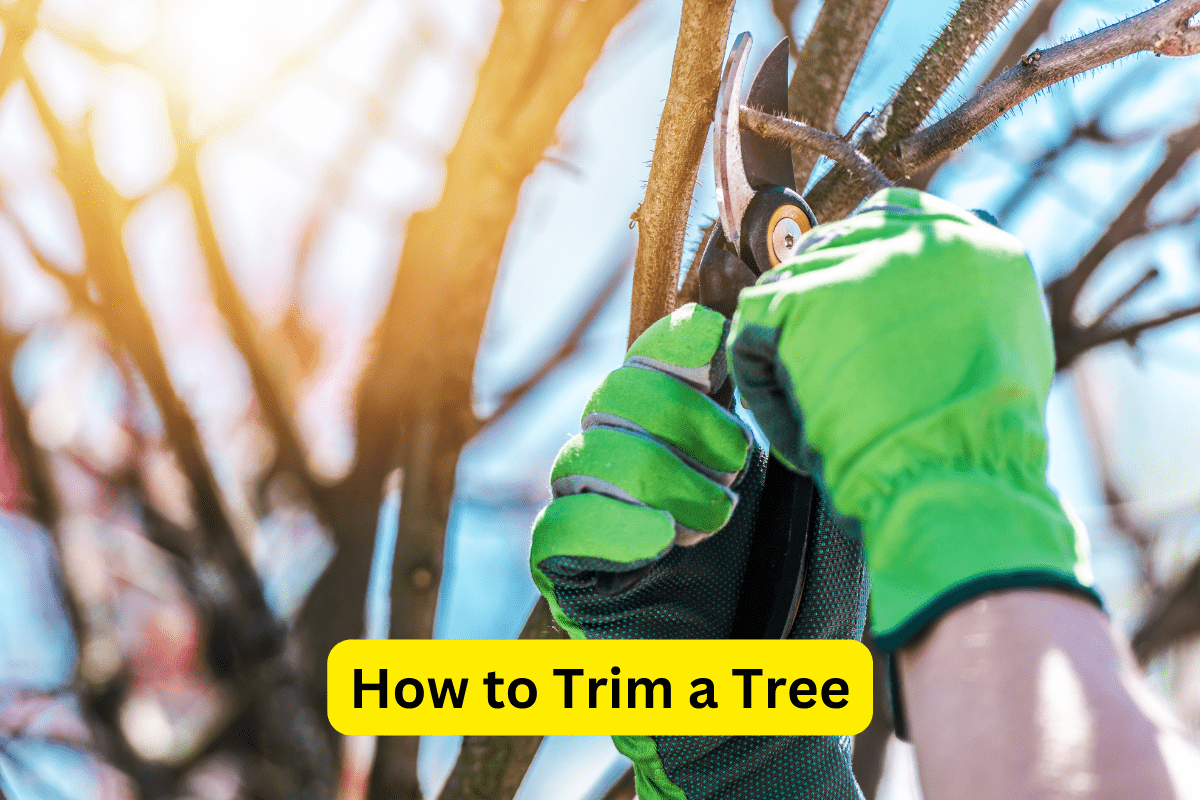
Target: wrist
x,y
954,535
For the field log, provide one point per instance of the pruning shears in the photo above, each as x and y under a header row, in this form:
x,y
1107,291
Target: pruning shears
x,y
761,219
761,215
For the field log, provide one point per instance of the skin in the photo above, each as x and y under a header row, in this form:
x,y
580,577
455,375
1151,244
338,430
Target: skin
x,y
1028,694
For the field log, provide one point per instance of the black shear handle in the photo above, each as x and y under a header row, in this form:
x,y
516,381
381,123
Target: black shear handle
x,y
773,583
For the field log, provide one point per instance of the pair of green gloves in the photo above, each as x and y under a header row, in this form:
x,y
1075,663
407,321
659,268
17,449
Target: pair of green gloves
x,y
902,360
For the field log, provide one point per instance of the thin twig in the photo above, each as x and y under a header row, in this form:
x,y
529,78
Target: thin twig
x,y
1063,293
1104,335
1102,318
1163,30
785,12
827,144
824,66
689,290
839,191
20,22
1035,25
263,365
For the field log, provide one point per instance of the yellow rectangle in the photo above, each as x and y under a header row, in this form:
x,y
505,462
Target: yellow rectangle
x,y
483,687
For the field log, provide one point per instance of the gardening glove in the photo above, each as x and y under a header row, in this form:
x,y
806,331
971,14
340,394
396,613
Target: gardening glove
x,y
903,360
648,536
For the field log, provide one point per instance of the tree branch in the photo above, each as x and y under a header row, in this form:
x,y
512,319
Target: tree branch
x,y
264,366
413,406
824,67
687,115
1125,296
36,478
785,11
1037,22
1063,292
1089,131
75,286
257,638
838,192
20,22
1104,334
492,767
1163,30
826,144
1173,618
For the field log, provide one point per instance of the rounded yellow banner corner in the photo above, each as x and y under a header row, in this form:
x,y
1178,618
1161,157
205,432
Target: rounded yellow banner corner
x,y
702,687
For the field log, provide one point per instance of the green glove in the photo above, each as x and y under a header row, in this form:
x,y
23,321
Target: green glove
x,y
656,504
903,360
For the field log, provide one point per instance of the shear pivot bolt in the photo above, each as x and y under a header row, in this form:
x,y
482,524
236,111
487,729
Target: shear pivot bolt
x,y
784,237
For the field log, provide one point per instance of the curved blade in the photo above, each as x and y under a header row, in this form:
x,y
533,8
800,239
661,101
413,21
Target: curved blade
x,y
733,190
767,162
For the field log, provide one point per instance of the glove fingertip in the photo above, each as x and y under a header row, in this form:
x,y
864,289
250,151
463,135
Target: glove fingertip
x,y
593,526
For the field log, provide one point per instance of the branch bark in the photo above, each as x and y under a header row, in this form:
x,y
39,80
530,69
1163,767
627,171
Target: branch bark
x,y
824,67
838,192
1036,24
264,366
1071,338
691,103
492,767
1163,30
816,141
256,637
413,406
1174,618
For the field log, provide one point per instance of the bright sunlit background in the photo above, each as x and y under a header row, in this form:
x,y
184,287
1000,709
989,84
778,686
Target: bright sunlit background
x,y
323,125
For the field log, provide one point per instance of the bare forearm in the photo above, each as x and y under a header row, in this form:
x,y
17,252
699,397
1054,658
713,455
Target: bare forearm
x,y
1031,694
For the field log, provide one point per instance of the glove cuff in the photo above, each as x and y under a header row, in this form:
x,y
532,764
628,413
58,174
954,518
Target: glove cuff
x,y
955,535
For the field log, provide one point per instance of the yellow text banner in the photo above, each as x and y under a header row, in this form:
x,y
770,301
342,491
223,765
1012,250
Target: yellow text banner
x,y
663,687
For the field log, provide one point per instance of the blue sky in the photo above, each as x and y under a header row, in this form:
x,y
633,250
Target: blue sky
x,y
269,158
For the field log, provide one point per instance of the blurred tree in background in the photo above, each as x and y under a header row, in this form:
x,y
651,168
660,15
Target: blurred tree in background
x,y
251,319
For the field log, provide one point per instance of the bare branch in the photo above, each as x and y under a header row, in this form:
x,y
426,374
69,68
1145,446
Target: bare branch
x,y
689,290
1174,618
1063,292
1037,22
623,789
270,387
19,24
824,67
568,348
75,286
36,479
1186,218
254,632
493,766
1105,334
839,191
691,102
413,406
826,144
1163,30
1150,275
785,11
